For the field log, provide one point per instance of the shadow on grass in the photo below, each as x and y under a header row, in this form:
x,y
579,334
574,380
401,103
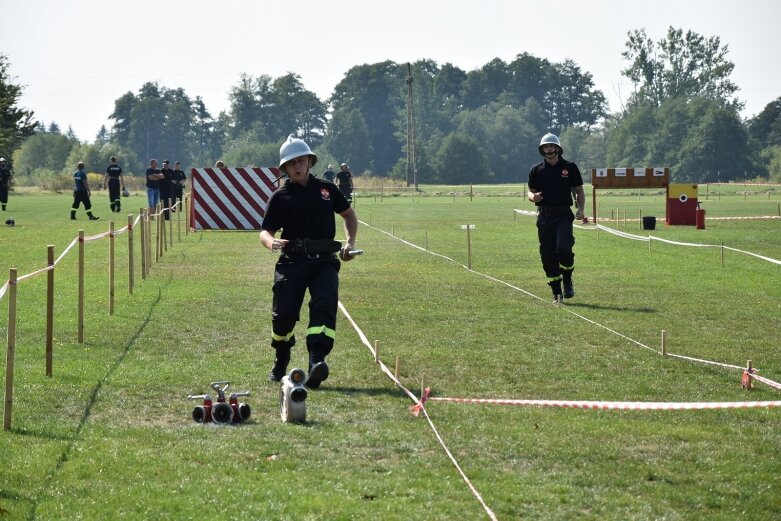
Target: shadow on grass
x,y
368,391
48,435
610,308
94,395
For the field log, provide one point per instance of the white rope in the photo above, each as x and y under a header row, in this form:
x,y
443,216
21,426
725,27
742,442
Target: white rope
x,y
563,307
420,407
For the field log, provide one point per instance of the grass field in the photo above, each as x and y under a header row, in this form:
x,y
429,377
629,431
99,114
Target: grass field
x,y
109,435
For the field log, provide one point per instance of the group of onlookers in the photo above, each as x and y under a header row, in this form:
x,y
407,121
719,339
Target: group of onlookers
x,y
164,185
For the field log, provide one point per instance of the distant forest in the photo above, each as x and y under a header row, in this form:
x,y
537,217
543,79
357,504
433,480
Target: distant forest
x,y
480,126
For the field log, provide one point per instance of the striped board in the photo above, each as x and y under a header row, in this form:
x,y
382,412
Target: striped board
x,y
230,198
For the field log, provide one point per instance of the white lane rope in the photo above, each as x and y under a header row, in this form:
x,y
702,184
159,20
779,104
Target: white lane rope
x,y
562,307
70,246
650,237
420,407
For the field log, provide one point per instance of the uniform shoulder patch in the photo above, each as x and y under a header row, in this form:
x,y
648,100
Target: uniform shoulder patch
x,y
325,194
564,172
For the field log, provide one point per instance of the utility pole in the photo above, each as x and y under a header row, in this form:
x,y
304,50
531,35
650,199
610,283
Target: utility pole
x,y
412,177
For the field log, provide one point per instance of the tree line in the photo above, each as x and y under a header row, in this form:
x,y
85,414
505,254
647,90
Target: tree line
x,y
480,126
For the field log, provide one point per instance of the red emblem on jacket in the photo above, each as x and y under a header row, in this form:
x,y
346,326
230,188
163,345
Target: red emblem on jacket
x,y
325,194
565,173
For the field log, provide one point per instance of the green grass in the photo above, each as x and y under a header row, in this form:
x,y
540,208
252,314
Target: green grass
x,y
109,435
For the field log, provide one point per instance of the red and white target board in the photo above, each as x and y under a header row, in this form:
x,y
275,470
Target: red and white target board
x,y
230,198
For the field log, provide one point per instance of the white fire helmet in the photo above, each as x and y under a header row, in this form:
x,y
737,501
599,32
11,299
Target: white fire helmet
x,y
293,148
550,139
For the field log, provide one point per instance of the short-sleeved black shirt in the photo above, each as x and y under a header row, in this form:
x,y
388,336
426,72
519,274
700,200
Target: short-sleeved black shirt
x,y
305,212
113,171
167,182
152,183
555,182
345,179
5,177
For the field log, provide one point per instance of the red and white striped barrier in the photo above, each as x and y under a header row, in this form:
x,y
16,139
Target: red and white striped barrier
x,y
612,406
231,198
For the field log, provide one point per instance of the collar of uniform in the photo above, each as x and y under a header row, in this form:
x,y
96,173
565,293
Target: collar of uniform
x,y
290,185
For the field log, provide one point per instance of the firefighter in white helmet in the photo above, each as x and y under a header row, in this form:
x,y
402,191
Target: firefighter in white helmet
x,y
550,184
303,208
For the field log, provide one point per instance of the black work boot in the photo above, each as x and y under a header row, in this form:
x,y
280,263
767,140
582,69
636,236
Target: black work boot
x,y
318,370
113,207
569,288
73,215
555,286
92,217
318,373
279,370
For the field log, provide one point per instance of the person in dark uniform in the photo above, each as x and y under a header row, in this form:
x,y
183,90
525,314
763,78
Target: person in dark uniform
x,y
179,178
167,188
550,184
5,182
345,180
114,182
329,174
81,193
303,208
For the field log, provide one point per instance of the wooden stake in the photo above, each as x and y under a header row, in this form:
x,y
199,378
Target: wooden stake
x,y
186,216
142,222
111,267
664,342
9,355
376,351
722,254
468,248
170,226
396,372
422,384
81,288
49,310
130,270
157,216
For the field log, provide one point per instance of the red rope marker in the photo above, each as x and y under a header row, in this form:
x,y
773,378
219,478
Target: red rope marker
x,y
613,406
418,407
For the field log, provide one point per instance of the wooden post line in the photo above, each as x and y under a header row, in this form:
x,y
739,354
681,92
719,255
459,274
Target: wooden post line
x,y
130,270
468,227
111,267
49,310
81,288
9,356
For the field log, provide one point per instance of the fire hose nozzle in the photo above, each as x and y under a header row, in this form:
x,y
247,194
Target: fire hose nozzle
x,y
353,253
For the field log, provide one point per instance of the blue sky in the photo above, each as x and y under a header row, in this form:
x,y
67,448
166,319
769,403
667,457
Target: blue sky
x,y
76,57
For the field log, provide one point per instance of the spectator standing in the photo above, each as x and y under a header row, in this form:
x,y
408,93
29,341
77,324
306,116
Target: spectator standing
x,y
81,193
166,188
115,183
5,182
180,178
153,177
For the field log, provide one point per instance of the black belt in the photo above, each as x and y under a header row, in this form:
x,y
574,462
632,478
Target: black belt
x,y
552,211
308,246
